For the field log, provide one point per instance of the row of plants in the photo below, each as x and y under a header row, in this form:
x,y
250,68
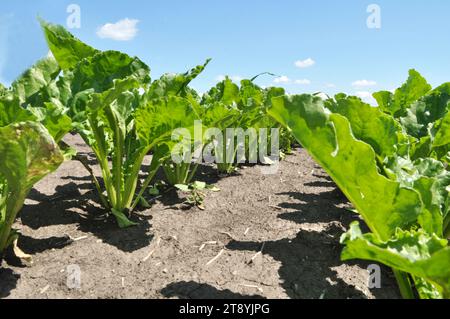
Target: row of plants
x,y
391,161
109,99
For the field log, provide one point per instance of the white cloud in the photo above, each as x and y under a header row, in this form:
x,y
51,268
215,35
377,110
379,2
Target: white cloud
x,y
303,82
282,79
330,85
366,97
234,78
302,64
364,83
123,30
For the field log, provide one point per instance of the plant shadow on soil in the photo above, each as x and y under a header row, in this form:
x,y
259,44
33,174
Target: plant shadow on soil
x,y
194,290
8,280
68,206
307,261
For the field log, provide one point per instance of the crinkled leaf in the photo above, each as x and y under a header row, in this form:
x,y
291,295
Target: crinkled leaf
x,y
225,92
66,49
27,154
416,252
396,104
423,113
369,124
12,112
54,119
442,136
158,118
218,115
35,79
99,71
174,84
251,95
98,82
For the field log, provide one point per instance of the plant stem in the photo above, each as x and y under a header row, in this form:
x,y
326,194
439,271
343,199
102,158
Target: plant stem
x,y
15,202
193,171
143,188
83,161
404,284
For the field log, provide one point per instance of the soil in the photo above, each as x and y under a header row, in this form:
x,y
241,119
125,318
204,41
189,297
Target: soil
x,y
261,236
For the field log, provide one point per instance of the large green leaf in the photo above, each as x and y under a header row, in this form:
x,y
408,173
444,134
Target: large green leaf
x,y
35,79
66,49
424,113
370,125
251,95
158,118
225,91
96,82
54,118
442,136
98,72
383,203
415,252
397,103
27,154
12,112
174,84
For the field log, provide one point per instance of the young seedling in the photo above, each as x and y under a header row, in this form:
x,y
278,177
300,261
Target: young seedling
x,y
195,191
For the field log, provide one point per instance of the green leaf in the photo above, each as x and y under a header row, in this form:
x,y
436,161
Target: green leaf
x,y
122,220
101,70
225,92
154,191
397,104
424,113
174,84
431,218
415,252
157,119
383,203
370,125
54,119
442,137
107,79
12,112
218,115
66,49
384,100
35,79
27,154
251,95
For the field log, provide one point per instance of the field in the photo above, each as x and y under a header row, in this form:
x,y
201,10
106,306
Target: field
x,y
298,215
114,184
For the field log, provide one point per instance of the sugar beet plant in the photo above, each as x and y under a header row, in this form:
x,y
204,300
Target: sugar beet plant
x,y
181,166
229,108
119,113
392,163
30,127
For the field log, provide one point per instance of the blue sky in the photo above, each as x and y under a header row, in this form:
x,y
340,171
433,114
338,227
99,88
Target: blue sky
x,y
245,38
